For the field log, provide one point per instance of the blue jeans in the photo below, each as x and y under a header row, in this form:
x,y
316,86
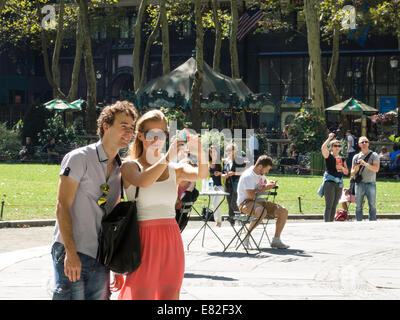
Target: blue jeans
x,y
363,189
94,283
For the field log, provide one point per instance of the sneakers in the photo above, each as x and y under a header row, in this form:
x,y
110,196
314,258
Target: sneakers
x,y
278,244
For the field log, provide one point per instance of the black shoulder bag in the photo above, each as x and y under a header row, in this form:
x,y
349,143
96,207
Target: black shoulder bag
x,y
119,242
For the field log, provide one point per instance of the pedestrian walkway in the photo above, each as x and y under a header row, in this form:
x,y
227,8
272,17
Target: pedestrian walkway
x,y
339,260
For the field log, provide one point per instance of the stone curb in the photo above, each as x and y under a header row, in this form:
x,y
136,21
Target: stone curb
x,y
299,216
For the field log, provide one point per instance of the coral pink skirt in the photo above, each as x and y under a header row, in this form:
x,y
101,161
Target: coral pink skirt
x,y
160,274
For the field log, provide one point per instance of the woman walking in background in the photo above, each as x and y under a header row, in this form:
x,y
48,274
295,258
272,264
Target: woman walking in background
x,y
332,184
160,274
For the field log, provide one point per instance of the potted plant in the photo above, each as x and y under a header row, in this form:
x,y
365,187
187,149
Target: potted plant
x,y
384,122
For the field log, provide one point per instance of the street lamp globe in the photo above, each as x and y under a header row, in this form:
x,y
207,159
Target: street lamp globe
x,y
394,63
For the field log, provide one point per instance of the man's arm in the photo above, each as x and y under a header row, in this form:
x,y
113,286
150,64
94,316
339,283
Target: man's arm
x,y
374,167
66,194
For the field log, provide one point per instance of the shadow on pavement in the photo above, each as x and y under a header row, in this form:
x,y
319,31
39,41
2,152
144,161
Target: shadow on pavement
x,y
206,276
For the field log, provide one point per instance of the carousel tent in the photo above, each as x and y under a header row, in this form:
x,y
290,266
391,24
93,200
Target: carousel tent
x,y
218,91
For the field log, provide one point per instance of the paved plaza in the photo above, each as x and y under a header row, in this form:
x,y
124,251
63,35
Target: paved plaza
x,y
339,260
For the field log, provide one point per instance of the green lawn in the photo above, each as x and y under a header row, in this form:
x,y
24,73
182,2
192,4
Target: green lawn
x,y
30,191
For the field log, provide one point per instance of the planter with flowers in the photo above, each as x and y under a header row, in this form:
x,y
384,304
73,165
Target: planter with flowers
x,y
384,123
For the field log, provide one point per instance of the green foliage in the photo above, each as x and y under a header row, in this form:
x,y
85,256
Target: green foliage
x,y
307,131
55,129
385,17
394,139
175,115
9,142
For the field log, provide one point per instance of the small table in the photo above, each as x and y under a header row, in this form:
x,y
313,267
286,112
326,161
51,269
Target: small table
x,y
205,225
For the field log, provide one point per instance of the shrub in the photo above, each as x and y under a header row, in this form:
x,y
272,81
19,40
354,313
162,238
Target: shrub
x,y
307,131
55,128
9,142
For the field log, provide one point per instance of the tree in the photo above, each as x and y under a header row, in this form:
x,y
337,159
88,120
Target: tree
x,y
2,4
233,40
91,95
137,46
165,38
218,36
198,76
311,10
385,18
146,55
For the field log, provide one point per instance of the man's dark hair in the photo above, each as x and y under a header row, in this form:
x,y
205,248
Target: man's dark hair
x,y
264,161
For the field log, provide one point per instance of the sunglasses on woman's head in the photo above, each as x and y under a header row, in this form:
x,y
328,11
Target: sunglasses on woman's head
x,y
363,142
103,198
336,145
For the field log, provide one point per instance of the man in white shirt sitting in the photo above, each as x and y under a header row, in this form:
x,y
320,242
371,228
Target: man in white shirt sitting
x,y
251,182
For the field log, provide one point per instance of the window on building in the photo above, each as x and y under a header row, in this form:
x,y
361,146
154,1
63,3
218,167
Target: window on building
x,y
124,28
133,22
16,96
284,76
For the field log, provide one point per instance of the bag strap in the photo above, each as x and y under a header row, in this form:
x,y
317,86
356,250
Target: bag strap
x,y
366,160
122,185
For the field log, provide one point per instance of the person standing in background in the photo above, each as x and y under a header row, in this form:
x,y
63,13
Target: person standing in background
x,y
367,187
332,184
351,151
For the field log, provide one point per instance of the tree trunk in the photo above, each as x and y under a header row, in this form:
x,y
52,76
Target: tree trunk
x,y
314,50
77,62
165,38
146,55
57,48
329,79
198,78
89,69
136,47
218,37
49,76
233,40
2,4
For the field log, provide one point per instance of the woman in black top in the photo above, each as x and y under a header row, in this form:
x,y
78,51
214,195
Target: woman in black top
x,y
335,168
231,175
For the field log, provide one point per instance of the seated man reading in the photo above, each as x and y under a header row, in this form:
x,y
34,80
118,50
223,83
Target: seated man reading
x,y
251,182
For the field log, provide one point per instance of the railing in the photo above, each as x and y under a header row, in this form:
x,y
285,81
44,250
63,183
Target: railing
x,y
275,146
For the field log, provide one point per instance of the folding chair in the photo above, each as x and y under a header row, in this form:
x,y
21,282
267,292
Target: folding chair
x,y
207,216
245,219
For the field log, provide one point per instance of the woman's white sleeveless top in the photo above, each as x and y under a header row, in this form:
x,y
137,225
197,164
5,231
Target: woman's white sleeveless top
x,y
158,200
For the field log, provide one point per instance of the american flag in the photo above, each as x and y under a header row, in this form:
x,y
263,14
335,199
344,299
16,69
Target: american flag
x,y
248,21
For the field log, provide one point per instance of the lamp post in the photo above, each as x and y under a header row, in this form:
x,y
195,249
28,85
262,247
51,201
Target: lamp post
x,y
354,77
394,64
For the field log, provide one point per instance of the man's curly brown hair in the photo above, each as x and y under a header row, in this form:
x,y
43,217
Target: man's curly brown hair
x,y
108,114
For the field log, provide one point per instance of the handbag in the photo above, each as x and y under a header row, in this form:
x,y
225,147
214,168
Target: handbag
x,y
341,215
119,241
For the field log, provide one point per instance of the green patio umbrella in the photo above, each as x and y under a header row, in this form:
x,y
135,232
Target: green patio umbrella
x,y
60,105
78,103
352,107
